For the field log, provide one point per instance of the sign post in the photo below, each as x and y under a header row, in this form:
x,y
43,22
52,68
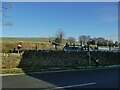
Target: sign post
x,y
89,58
19,47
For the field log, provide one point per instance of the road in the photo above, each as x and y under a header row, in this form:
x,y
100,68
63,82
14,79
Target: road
x,y
97,78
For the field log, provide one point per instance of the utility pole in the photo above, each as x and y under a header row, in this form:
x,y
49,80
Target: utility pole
x,y
89,58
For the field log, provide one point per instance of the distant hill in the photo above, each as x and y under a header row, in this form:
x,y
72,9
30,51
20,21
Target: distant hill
x,y
29,39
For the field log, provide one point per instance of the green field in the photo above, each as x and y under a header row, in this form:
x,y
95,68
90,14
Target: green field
x,y
34,39
30,40
8,44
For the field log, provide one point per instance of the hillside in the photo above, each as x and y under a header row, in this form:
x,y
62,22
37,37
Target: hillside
x,y
8,44
29,40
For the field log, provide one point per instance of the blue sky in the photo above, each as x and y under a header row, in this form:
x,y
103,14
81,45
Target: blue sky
x,y
45,19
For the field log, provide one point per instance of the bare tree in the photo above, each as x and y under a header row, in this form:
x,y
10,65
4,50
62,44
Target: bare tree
x,y
83,39
116,44
59,36
71,40
3,10
102,41
110,44
58,39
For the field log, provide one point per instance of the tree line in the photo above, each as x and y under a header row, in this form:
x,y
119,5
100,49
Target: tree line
x,y
86,39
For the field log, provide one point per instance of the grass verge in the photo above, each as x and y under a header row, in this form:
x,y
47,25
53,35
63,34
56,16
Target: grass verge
x,y
33,70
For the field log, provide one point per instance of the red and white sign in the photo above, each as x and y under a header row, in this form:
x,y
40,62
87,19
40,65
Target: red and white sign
x,y
19,45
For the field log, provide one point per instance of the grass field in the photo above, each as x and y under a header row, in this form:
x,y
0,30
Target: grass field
x,y
30,39
8,44
12,40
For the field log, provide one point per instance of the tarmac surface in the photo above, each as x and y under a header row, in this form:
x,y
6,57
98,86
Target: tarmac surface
x,y
96,78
